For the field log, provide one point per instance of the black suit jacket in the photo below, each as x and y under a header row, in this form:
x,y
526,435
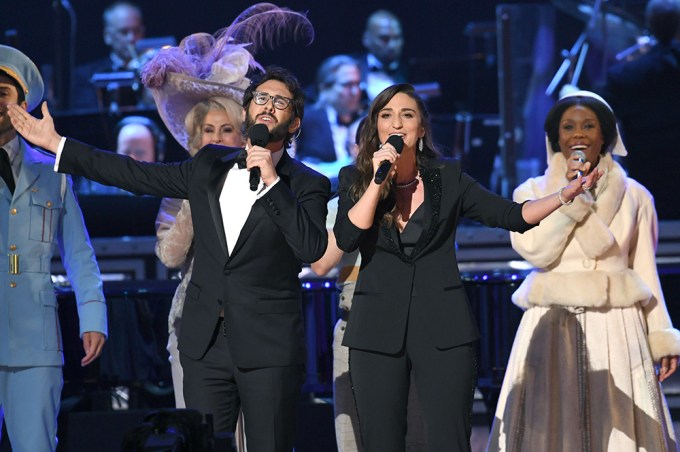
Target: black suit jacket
x,y
399,75
389,279
257,285
315,143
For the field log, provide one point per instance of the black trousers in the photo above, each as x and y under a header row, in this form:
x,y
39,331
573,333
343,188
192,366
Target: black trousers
x,y
445,380
268,396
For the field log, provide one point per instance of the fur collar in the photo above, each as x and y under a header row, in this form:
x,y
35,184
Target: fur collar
x,y
592,227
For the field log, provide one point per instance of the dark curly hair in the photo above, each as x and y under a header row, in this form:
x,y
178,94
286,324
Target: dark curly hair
x,y
287,78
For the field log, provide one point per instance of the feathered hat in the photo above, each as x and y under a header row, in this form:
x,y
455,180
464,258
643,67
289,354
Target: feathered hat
x,y
203,66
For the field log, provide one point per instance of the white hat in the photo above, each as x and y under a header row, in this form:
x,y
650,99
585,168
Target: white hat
x,y
618,149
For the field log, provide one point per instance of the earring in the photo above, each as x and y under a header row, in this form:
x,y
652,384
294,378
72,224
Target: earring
x,y
420,144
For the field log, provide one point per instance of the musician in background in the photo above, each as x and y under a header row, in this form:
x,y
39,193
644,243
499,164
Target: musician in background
x,y
136,136
381,64
581,372
648,84
325,141
123,28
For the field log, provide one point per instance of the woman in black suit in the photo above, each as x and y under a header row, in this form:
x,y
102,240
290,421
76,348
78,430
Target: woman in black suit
x,y
410,311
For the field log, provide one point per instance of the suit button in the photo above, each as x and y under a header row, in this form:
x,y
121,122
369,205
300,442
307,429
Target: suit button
x,y
13,211
227,272
49,204
12,284
588,264
12,247
34,190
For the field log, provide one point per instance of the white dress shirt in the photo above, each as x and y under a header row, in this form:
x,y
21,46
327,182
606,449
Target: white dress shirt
x,y
237,199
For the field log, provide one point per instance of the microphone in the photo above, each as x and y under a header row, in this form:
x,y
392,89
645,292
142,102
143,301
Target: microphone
x,y
385,165
581,156
259,136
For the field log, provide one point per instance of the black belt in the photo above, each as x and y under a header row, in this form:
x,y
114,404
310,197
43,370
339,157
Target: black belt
x,y
343,314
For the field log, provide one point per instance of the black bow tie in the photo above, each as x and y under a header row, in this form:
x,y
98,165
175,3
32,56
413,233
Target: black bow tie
x,y
241,159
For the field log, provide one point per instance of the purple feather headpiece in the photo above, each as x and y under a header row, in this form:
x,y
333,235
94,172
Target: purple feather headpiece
x,y
204,66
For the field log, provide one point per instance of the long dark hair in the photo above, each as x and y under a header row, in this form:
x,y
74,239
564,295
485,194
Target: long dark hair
x,y
369,142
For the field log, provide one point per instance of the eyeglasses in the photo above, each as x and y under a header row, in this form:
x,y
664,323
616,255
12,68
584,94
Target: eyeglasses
x,y
350,84
280,102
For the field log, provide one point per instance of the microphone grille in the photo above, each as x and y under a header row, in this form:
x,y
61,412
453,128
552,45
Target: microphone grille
x,y
259,135
397,142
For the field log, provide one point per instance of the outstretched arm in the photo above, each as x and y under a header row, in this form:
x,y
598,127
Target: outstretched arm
x,y
534,211
40,132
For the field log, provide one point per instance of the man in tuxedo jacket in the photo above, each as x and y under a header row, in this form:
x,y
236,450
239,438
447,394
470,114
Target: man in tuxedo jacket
x,y
242,339
325,141
381,64
123,27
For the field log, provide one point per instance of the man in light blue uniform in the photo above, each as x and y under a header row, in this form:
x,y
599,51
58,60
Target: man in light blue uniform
x,y
38,211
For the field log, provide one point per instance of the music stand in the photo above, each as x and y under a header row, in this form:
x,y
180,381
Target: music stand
x,y
576,55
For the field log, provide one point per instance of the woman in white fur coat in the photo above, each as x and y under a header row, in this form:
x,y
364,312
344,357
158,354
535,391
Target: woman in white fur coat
x,y
581,375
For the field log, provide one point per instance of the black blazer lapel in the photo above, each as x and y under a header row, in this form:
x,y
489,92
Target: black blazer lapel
x,y
431,178
257,211
218,174
432,184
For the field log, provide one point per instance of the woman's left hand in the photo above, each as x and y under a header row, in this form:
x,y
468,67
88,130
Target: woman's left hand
x,y
669,365
581,184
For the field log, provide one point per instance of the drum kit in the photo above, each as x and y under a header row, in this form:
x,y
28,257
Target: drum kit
x,y
615,28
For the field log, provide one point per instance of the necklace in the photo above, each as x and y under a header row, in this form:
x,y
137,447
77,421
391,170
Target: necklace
x,y
407,184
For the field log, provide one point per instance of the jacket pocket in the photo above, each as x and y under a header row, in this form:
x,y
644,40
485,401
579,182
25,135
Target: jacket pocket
x,y
45,212
51,327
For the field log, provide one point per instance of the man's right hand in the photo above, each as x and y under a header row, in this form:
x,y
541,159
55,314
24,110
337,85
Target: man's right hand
x,y
39,132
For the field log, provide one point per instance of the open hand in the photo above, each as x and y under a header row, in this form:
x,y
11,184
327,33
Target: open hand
x,y
40,132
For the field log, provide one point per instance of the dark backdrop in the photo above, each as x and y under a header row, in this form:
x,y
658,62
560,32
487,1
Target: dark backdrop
x,y
434,31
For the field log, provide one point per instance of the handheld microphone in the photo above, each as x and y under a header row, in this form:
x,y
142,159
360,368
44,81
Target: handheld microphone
x,y
385,165
259,136
581,156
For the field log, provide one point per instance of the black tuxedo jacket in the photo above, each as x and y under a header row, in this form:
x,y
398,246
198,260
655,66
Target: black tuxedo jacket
x,y
315,143
399,75
257,286
389,279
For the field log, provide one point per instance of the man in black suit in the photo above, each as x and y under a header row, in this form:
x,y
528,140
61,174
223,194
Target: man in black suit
x,y
381,64
123,27
242,339
326,140
644,94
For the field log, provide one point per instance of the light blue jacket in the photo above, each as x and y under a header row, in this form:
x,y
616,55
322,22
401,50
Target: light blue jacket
x,y
42,214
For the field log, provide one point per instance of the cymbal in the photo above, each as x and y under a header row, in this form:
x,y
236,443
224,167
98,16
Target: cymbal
x,y
613,14
612,28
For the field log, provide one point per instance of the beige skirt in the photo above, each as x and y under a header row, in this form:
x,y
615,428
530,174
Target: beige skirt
x,y
581,380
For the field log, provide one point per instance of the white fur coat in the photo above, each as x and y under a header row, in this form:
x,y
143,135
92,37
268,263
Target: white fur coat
x,y
597,252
